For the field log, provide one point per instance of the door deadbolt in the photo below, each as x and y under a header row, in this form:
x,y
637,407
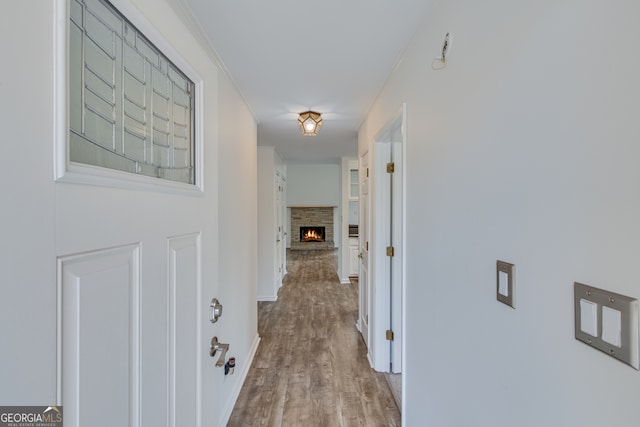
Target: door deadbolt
x,y
216,310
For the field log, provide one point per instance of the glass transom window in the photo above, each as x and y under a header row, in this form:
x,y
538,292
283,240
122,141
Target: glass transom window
x,y
130,108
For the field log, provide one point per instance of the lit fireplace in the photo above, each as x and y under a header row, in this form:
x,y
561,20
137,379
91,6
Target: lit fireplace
x,y
312,234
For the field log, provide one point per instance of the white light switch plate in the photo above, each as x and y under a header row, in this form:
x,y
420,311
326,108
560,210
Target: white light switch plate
x,y
616,322
506,283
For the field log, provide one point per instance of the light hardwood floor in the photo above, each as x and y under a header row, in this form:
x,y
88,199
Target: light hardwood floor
x,y
311,367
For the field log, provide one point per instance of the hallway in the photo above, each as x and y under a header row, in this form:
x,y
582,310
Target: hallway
x,y
311,367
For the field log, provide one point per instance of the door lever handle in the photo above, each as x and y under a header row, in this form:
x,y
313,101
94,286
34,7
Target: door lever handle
x,y
215,346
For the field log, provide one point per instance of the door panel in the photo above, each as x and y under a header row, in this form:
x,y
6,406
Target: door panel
x,y
184,365
99,337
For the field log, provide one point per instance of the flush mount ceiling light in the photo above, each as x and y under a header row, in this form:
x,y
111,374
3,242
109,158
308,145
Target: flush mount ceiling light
x,y
310,123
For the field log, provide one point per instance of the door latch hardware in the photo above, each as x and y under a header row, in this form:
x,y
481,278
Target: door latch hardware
x,y
216,310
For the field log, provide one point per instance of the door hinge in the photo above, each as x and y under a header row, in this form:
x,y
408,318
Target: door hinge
x,y
390,251
367,172
389,335
391,167
366,245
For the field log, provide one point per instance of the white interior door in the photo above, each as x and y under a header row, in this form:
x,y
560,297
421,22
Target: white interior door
x,y
363,242
396,237
279,227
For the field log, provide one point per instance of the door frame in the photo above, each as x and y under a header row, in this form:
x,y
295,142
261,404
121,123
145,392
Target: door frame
x,y
364,230
387,305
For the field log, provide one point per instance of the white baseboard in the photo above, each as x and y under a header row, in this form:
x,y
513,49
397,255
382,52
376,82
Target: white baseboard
x,y
238,387
270,298
370,361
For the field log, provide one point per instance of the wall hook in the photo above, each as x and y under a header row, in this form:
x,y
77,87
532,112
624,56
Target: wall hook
x,y
439,63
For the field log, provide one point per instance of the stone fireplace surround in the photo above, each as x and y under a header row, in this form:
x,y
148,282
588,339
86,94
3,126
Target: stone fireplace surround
x,y
314,216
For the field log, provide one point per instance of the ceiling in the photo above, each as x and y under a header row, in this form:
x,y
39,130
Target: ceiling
x,y
289,56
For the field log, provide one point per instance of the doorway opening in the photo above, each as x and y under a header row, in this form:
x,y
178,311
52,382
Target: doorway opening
x,y
384,284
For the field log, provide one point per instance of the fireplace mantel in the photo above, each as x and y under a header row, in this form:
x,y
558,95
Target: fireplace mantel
x,y
311,206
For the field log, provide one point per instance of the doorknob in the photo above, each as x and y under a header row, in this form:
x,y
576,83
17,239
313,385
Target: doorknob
x,y
216,310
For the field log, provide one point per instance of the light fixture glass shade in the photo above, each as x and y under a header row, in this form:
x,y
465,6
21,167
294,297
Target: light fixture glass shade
x,y
310,123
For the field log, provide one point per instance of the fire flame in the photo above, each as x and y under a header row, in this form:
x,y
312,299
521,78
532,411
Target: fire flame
x,y
311,234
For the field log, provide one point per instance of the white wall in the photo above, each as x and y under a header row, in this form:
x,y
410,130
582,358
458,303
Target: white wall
x,y
313,185
238,233
268,162
524,148
27,289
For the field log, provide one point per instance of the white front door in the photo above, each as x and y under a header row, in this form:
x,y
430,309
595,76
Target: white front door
x,y
105,289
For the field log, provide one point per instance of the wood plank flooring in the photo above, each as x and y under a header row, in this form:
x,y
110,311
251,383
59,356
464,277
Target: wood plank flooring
x,y
311,367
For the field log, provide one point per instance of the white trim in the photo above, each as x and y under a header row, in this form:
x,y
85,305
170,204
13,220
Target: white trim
x,y
380,350
238,386
364,227
60,87
379,271
267,298
403,345
68,172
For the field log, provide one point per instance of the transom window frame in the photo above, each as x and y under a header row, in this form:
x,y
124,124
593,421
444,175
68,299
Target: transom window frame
x,y
67,171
